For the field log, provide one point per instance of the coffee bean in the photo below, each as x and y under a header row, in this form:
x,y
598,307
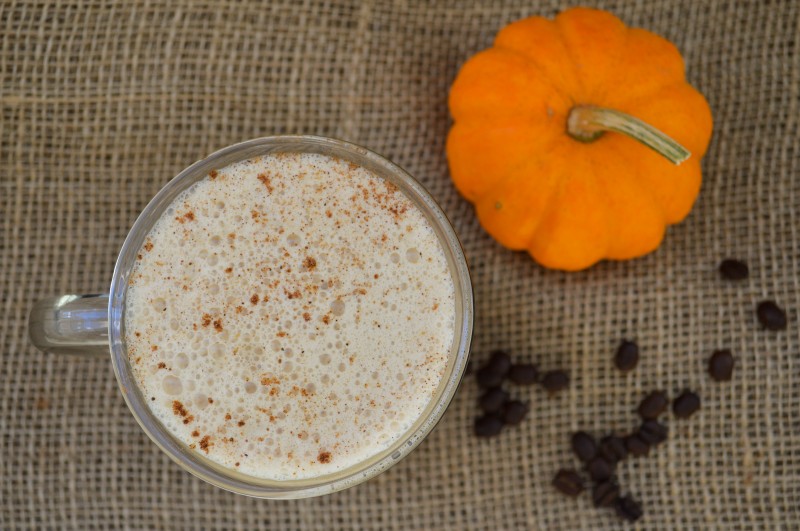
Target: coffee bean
x,y
731,269
652,432
493,399
612,449
600,469
605,494
568,482
584,446
523,374
514,411
488,425
492,374
686,405
653,405
555,381
627,356
771,316
720,366
636,446
628,509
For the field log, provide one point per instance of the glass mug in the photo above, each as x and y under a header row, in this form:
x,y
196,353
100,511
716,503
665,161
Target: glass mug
x,y
94,324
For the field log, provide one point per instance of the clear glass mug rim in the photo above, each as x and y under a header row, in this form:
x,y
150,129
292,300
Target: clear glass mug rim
x,y
223,477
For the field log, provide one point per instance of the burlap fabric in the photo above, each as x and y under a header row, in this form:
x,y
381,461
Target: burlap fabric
x,y
103,102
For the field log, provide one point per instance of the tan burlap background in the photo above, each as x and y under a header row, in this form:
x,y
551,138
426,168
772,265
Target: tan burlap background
x,y
103,102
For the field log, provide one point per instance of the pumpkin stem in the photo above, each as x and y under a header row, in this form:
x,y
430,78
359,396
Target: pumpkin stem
x,y
587,123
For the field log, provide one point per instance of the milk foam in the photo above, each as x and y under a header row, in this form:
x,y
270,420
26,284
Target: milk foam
x,y
290,316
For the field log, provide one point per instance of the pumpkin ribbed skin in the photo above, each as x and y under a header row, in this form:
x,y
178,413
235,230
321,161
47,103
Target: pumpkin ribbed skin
x,y
571,203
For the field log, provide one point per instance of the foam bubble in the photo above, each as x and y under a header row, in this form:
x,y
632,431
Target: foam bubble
x,y
172,385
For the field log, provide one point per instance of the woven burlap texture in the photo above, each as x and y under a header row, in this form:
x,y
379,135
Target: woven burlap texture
x,y
103,102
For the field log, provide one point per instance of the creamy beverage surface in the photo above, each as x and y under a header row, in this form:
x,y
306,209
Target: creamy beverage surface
x,y
290,316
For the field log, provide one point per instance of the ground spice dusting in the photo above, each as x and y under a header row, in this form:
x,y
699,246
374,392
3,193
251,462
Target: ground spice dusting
x,y
266,181
269,380
205,443
179,409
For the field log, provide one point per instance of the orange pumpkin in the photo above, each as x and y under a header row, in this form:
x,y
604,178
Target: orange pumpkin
x,y
546,142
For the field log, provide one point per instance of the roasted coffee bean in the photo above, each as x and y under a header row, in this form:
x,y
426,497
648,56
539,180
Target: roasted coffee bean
x,y
514,411
628,509
605,494
600,469
686,405
627,356
612,449
523,374
771,316
652,432
488,425
636,446
584,446
653,405
492,374
568,482
720,366
731,269
555,381
493,399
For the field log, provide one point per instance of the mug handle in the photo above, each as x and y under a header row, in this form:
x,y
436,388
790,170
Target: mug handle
x,y
71,324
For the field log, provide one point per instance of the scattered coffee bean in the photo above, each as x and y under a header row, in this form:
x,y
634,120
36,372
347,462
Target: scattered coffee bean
x,y
514,411
488,425
584,446
600,469
636,446
612,449
731,269
720,366
628,509
771,316
605,494
652,432
686,405
493,399
653,405
555,381
492,374
568,482
523,374
627,356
